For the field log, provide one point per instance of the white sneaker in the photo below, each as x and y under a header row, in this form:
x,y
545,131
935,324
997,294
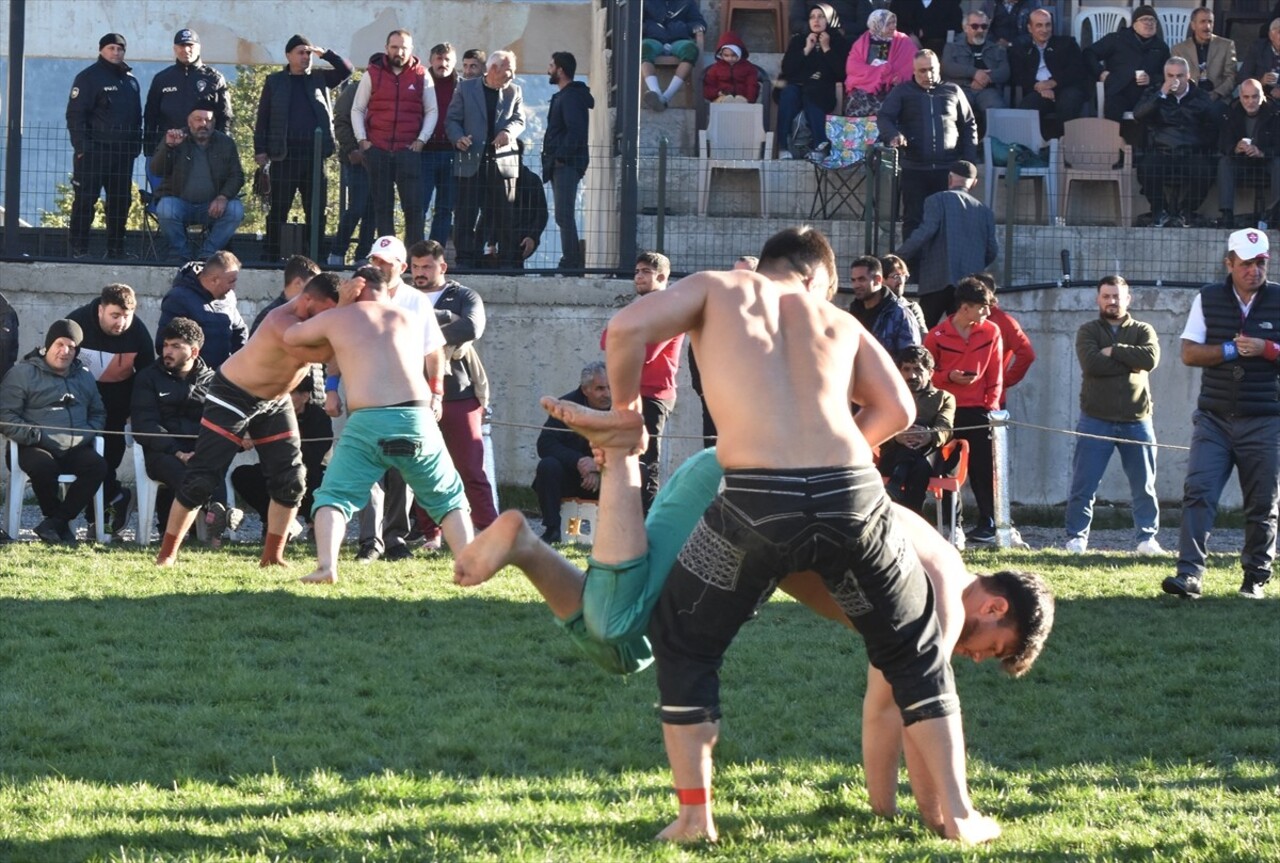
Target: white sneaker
x,y
1077,545
1149,546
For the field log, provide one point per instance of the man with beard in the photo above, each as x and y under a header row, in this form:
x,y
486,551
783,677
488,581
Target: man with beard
x,y
200,183
176,90
880,310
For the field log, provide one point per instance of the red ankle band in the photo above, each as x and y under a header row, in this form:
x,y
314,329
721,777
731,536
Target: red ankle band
x,y
693,796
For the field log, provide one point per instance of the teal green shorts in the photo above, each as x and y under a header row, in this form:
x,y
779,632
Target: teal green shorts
x,y
617,599
359,461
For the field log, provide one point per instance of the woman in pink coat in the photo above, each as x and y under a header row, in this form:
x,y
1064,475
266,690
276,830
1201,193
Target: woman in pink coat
x,y
880,59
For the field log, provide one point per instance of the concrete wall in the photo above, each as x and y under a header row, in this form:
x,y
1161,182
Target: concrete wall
x,y
542,331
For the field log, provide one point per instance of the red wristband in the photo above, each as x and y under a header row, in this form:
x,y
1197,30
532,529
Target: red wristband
x,y
693,796
1271,351
436,385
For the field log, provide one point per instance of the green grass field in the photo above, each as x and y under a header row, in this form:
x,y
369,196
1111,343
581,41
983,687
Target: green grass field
x,y
219,712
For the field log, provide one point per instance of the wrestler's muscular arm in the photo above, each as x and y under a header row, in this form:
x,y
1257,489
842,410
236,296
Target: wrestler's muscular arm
x,y
879,390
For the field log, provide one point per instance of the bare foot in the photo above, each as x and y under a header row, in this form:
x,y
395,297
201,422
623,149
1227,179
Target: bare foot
x,y
498,545
693,825
612,429
166,560
320,575
974,829
273,561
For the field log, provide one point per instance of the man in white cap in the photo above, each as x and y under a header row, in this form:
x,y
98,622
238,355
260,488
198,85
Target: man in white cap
x,y
1231,332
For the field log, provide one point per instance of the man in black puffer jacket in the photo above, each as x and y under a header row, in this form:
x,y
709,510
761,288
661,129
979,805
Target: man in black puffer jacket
x,y
175,91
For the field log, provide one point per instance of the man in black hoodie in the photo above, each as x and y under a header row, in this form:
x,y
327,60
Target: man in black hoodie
x,y
104,119
564,151
116,346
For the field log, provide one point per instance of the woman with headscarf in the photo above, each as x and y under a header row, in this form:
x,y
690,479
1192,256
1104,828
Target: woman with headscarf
x,y
880,60
811,79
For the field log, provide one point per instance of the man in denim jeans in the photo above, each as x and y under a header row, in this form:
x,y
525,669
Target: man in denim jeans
x,y
437,155
564,151
1116,353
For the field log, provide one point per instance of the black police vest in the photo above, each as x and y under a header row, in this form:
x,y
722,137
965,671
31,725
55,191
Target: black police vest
x,y
1246,386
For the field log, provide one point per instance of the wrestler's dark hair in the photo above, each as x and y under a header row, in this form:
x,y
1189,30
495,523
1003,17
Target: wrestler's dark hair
x,y
300,267
323,286
426,249
799,251
566,62
118,294
657,260
871,263
1030,613
917,354
373,277
183,330
971,290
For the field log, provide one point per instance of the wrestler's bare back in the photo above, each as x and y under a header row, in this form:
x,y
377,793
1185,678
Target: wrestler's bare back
x,y
265,366
379,348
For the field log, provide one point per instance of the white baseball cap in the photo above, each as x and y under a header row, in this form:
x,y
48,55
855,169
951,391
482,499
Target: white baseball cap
x,y
1249,243
389,249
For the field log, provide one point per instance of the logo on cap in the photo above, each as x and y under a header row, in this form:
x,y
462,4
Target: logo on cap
x,y
1251,237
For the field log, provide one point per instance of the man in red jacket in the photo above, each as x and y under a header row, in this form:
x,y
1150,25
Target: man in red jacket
x,y
393,117
969,353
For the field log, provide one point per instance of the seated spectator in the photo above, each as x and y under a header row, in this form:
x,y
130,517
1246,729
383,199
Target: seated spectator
x,y
47,393
979,66
116,347
206,293
1263,62
879,61
1249,143
565,466
1180,161
910,458
1051,73
200,184
530,215
928,24
882,312
1127,61
896,276
1211,59
731,78
316,430
672,28
167,405
812,79
1009,20
851,16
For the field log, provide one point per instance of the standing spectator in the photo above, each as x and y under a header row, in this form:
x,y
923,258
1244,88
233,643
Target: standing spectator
x,y
1211,59
1009,19
167,404
896,276
879,309
812,78
968,350
1230,334
1117,354
488,160
1127,61
104,119
928,23
1051,73
671,28
201,179
175,92
879,60
978,65
911,457
437,155
1179,164
50,407
206,293
932,124
115,347
473,60
731,78
565,153
957,236
565,466
460,313
393,116
657,377
354,177
1249,143
293,105
1263,62
1018,354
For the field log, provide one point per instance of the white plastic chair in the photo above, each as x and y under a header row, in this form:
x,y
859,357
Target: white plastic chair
x,y
1175,23
734,140
18,489
147,488
1088,151
1101,20
1019,126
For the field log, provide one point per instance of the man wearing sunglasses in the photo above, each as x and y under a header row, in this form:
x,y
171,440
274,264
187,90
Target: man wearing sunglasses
x,y
978,66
